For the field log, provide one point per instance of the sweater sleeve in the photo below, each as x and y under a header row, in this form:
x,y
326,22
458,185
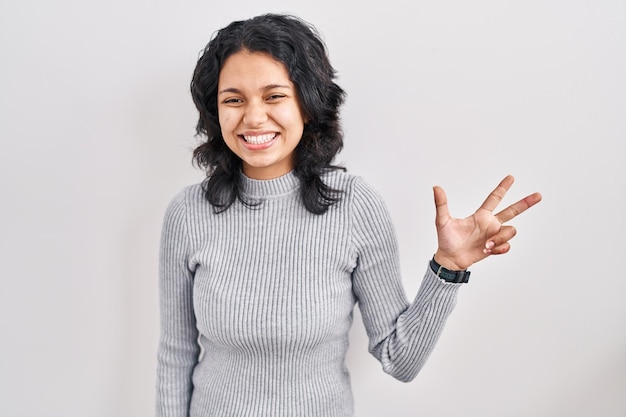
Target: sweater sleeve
x,y
401,334
178,347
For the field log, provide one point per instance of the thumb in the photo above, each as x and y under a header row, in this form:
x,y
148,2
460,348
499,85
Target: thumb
x,y
441,206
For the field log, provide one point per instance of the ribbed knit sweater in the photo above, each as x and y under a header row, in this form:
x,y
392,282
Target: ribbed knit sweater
x,y
256,302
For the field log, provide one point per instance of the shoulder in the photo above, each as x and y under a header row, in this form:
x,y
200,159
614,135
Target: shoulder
x,y
346,181
186,198
357,190
186,195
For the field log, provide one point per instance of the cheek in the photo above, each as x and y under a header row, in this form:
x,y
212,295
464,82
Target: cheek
x,y
291,118
226,119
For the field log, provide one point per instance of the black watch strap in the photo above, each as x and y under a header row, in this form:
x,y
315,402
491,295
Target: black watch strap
x,y
457,277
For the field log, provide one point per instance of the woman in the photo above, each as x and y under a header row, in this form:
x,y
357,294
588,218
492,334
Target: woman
x,y
261,264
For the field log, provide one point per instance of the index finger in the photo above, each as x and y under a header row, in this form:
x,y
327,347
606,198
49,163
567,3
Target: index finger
x,y
518,208
496,196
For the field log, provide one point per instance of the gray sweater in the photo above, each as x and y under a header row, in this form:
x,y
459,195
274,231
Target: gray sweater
x,y
256,302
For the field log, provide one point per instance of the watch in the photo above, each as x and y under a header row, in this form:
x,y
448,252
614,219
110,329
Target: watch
x,y
457,277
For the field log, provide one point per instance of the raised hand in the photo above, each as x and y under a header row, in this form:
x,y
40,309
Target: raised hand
x,y
463,242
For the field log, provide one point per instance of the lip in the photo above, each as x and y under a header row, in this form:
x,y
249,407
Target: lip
x,y
258,146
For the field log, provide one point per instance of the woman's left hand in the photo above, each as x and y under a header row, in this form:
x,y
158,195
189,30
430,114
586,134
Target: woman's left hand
x,y
463,242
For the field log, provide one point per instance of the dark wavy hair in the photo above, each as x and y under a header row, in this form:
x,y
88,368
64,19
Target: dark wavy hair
x,y
298,46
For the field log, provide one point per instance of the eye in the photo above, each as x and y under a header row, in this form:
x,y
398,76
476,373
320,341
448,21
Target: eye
x,y
275,97
233,100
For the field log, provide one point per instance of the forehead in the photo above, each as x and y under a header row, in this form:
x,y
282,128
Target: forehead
x,y
252,69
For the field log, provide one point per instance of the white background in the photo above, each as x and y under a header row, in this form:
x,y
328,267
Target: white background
x,y
97,129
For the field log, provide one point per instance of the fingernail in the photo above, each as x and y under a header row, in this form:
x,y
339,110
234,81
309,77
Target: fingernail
x,y
490,244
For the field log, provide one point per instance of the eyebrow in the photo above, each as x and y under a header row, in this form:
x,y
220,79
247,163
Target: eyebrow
x,y
265,88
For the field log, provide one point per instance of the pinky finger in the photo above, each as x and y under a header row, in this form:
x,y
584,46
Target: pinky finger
x,y
499,250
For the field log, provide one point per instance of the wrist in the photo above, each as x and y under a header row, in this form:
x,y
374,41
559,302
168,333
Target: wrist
x,y
452,276
449,263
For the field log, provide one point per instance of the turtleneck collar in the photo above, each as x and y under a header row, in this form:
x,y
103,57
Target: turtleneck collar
x,y
275,187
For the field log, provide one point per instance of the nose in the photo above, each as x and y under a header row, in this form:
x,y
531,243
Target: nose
x,y
255,114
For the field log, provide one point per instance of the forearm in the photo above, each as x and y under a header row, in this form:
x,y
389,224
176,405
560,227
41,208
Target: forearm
x,y
409,343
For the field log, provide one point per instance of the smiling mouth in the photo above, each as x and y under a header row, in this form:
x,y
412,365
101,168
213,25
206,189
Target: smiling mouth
x,y
259,139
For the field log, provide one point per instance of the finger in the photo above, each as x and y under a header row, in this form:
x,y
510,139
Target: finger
x,y
441,206
501,249
496,196
517,208
500,240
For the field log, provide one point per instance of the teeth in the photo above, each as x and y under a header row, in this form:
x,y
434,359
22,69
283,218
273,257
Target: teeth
x,y
259,138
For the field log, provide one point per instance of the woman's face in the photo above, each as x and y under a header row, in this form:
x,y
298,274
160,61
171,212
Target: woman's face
x,y
259,113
